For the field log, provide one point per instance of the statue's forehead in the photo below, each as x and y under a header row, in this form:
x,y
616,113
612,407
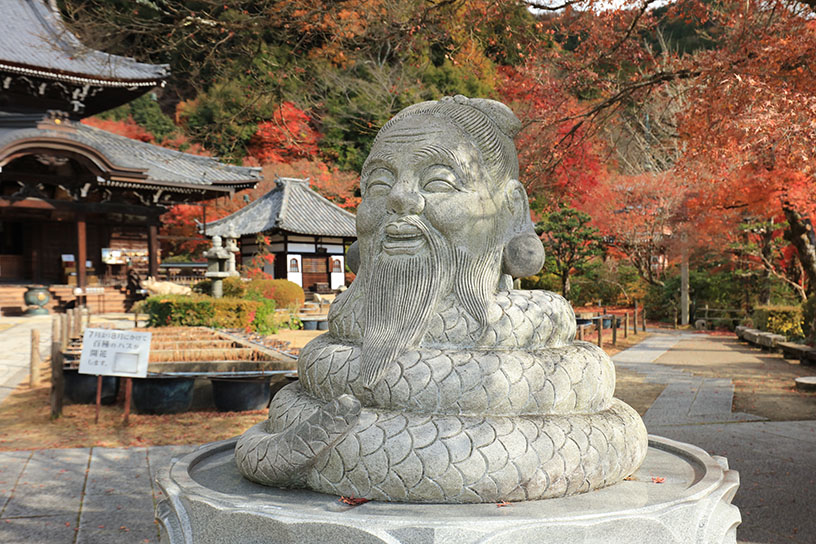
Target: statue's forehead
x,y
423,135
418,126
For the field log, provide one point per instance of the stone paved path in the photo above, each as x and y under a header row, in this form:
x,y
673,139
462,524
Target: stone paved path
x,y
686,398
15,345
776,460
15,350
81,496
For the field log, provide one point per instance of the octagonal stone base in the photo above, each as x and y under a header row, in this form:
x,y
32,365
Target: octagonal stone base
x,y
680,495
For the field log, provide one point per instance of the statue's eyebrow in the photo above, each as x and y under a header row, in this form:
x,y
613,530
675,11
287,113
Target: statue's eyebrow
x,y
384,159
435,151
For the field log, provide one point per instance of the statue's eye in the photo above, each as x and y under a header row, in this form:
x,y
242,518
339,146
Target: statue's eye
x,y
440,179
439,186
379,182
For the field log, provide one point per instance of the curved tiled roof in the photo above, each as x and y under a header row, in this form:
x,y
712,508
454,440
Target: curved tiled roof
x,y
162,164
291,206
34,41
159,164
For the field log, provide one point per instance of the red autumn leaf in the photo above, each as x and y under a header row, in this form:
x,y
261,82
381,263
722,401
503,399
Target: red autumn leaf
x,y
353,501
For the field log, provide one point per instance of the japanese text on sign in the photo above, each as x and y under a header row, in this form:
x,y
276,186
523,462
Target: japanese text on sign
x,y
109,352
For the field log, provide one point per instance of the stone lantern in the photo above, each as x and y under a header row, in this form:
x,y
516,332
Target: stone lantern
x,y
218,258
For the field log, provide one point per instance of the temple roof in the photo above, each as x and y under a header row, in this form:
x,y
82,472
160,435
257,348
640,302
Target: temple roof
x,y
144,163
34,41
292,206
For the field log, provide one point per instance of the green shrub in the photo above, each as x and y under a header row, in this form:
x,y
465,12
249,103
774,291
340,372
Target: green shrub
x,y
232,287
284,293
785,320
200,310
265,320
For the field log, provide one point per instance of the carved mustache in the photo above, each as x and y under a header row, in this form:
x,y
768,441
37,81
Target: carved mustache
x,y
409,226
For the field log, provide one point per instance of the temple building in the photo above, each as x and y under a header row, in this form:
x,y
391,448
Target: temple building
x,y
80,205
307,233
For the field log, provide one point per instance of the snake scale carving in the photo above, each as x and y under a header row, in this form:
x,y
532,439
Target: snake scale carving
x,y
553,430
438,382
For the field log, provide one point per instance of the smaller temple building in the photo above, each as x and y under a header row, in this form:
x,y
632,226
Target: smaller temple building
x,y
307,233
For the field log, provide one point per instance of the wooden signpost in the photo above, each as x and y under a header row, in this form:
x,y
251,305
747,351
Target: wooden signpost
x,y
107,352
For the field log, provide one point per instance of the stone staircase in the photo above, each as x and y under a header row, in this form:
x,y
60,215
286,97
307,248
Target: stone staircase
x,y
114,299
11,300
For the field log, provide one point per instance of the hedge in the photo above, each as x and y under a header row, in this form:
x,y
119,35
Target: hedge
x,y
200,310
285,293
231,287
785,320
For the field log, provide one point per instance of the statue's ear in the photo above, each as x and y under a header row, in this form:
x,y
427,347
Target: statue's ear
x,y
353,257
516,201
523,253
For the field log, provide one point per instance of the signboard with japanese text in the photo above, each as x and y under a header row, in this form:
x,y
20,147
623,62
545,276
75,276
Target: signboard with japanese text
x,y
109,352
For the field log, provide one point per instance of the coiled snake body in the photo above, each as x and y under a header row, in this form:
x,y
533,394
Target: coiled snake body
x,y
529,414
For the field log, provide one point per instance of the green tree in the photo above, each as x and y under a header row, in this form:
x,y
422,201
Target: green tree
x,y
570,242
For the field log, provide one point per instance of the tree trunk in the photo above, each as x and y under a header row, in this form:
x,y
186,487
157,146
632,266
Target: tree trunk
x,y
800,235
565,285
766,249
684,286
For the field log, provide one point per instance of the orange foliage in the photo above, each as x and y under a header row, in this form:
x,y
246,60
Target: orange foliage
x,y
556,156
287,136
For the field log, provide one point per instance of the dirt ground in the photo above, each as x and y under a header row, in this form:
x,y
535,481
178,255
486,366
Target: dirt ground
x,y
763,381
25,424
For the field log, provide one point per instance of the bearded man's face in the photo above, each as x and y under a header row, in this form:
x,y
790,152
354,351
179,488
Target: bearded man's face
x,y
430,225
424,167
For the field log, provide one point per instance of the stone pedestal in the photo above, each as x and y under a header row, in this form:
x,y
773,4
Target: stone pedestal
x,y
679,495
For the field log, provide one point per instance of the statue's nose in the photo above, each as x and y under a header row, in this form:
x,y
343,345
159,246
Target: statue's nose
x,y
404,200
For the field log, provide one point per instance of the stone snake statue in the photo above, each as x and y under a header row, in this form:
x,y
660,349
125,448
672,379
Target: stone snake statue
x,y
438,382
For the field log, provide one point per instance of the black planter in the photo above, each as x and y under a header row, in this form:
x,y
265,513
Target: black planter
x,y
239,395
309,324
81,388
162,395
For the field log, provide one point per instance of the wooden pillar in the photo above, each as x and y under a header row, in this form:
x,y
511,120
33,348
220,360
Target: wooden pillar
x,y
37,260
57,383
82,255
153,251
634,321
614,330
626,325
600,332
128,395
34,361
56,335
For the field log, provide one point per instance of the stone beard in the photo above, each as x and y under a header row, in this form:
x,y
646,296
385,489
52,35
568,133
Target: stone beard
x,y
402,291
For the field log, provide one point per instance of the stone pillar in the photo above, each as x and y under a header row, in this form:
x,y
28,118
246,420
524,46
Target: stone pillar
x,y
231,245
217,258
